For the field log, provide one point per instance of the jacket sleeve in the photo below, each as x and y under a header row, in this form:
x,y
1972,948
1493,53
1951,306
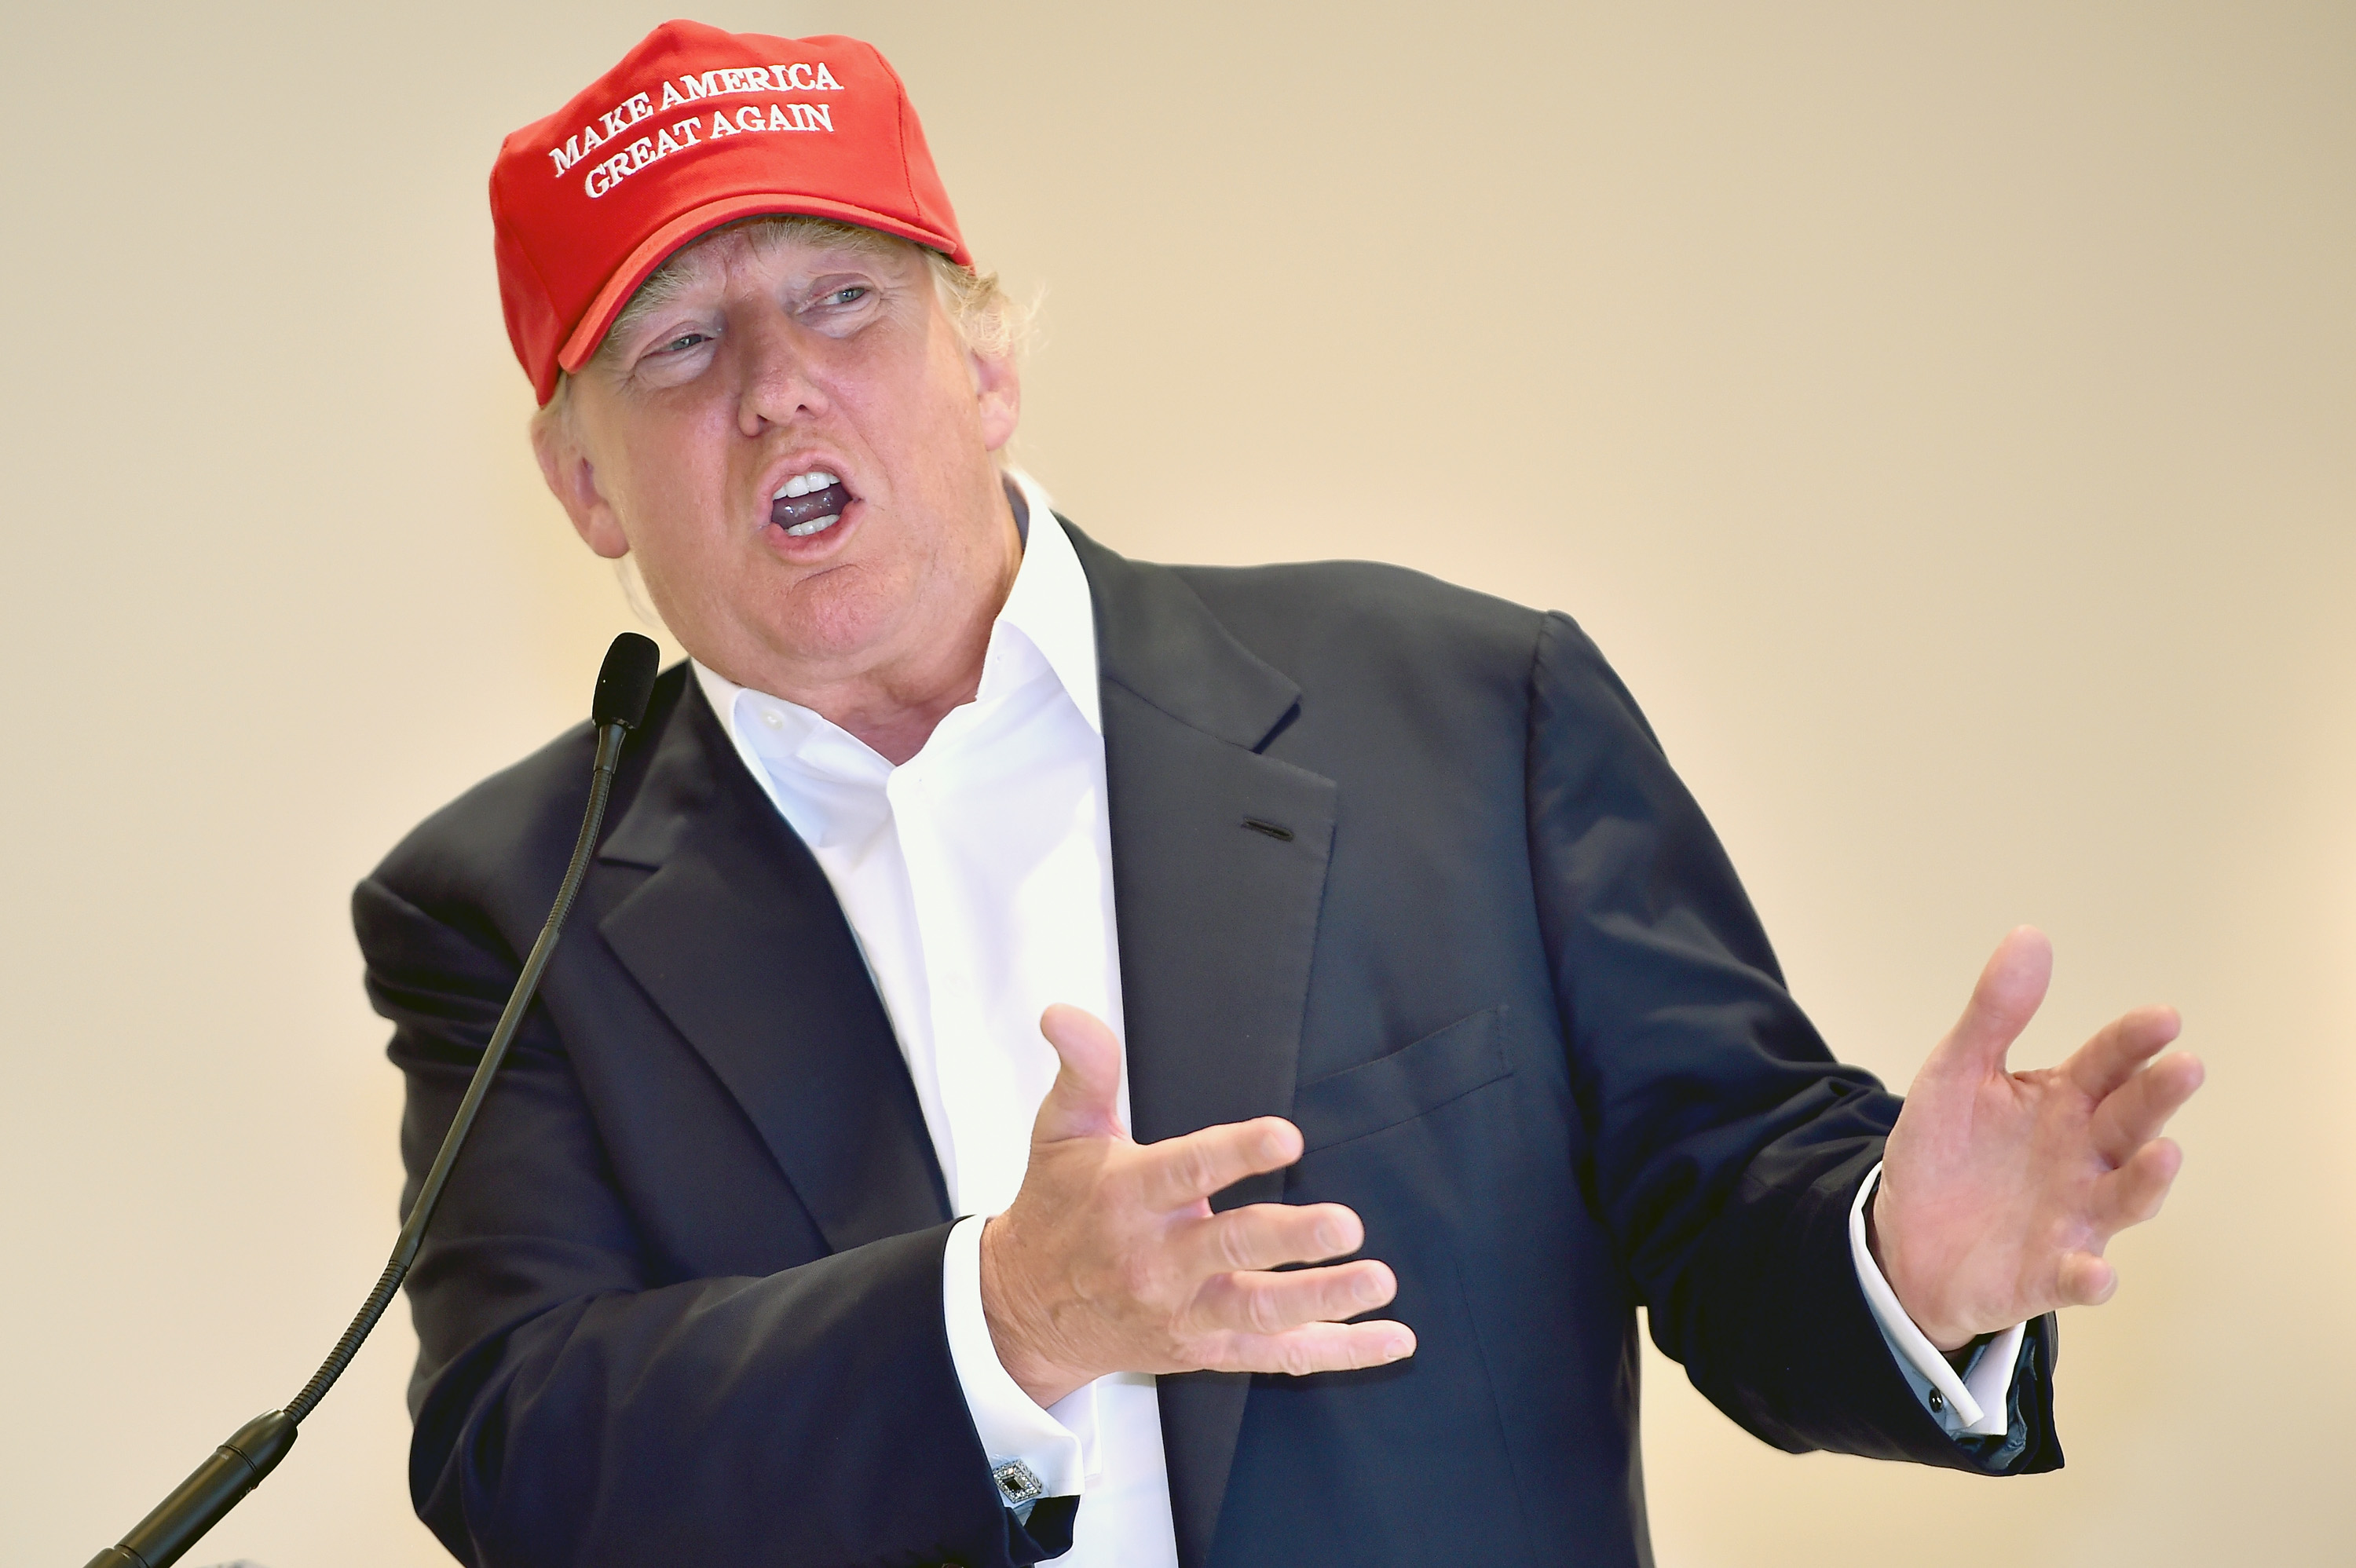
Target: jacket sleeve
x,y
1727,1143
574,1408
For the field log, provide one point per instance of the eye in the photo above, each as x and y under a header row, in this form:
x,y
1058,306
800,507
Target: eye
x,y
852,295
683,342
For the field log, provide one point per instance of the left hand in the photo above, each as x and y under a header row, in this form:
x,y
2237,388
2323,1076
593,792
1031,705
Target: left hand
x,y
2000,1189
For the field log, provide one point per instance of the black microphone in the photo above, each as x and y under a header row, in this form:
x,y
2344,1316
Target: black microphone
x,y
624,683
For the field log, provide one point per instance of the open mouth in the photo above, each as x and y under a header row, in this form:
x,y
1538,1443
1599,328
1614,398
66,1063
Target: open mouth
x,y
808,504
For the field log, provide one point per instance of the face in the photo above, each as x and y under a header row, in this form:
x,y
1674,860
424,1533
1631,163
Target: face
x,y
797,449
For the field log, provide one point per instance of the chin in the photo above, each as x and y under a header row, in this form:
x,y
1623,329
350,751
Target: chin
x,y
840,613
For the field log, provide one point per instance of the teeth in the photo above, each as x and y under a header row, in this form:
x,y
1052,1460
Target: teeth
x,y
814,526
803,483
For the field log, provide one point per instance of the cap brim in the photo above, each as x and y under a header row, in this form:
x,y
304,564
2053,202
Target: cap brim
x,y
658,247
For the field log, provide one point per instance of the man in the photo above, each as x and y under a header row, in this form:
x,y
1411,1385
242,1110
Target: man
x,y
1059,1056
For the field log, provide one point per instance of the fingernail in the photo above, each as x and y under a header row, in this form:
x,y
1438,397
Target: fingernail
x,y
1395,1349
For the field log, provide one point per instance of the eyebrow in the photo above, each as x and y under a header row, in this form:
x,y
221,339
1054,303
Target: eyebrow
x,y
680,274
664,287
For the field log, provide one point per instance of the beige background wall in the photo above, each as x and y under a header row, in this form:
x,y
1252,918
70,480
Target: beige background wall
x,y
1945,414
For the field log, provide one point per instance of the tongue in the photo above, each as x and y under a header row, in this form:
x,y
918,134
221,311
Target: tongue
x,y
796,510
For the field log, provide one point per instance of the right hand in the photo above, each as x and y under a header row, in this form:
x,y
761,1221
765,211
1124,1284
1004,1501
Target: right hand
x,y
1110,1259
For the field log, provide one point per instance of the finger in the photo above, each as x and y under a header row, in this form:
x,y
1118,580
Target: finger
x,y
1254,1303
1186,1170
2119,1047
2134,1113
1313,1348
2006,997
2134,1192
2086,1280
1085,1099
1268,1235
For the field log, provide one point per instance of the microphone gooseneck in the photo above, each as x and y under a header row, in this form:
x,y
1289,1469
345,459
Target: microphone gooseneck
x,y
625,685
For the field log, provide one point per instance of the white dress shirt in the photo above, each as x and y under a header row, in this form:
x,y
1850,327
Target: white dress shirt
x,y
977,879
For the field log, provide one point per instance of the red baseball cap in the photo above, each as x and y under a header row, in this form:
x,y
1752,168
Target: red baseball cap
x,y
693,129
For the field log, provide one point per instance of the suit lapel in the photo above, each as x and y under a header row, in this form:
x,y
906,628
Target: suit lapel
x,y
1219,856
738,938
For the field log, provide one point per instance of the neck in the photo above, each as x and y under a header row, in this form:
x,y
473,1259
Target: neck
x,y
894,725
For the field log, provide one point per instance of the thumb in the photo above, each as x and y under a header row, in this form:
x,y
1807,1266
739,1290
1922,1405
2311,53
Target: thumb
x,y
2006,998
1084,1101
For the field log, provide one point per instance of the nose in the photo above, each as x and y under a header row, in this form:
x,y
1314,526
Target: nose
x,y
779,383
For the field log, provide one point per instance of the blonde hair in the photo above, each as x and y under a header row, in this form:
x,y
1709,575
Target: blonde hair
x,y
988,320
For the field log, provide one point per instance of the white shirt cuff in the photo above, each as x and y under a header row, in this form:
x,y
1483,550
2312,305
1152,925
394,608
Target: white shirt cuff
x,y
1976,1403
1058,1443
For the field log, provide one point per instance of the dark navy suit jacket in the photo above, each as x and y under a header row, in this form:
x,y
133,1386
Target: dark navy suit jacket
x,y
1398,861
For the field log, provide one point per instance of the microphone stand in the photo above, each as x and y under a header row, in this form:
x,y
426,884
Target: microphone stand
x,y
624,683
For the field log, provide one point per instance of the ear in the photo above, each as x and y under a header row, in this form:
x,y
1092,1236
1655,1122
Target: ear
x,y
573,480
998,387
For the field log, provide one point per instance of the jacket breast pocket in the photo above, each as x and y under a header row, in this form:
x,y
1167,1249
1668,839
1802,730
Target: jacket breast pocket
x,y
1412,1080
